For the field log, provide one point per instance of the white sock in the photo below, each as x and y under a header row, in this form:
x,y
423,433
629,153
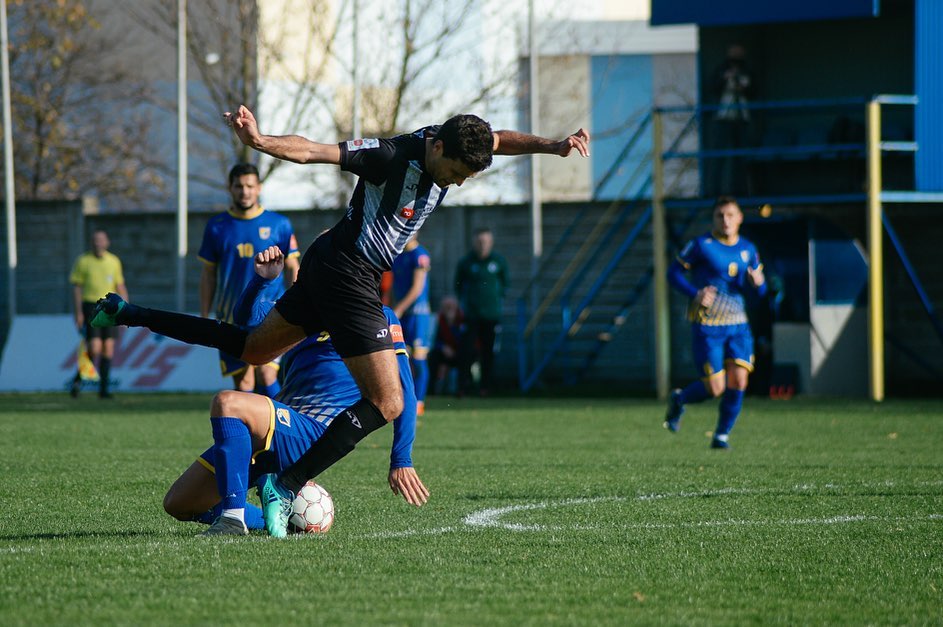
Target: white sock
x,y
238,514
720,436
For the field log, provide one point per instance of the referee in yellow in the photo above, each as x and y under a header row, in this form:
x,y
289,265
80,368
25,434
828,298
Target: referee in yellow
x,y
94,274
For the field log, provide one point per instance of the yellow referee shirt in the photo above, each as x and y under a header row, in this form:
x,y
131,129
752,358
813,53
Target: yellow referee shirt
x,y
97,275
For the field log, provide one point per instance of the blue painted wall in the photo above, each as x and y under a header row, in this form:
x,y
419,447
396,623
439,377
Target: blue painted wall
x,y
621,97
929,82
719,12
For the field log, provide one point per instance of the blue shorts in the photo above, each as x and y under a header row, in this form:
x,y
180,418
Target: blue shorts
x,y
289,435
715,346
416,330
231,366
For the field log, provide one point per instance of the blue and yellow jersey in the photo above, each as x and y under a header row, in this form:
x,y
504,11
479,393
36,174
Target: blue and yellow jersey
x,y
317,383
723,266
404,267
230,242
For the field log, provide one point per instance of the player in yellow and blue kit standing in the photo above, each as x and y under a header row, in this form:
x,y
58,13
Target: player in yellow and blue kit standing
x,y
411,304
230,241
721,264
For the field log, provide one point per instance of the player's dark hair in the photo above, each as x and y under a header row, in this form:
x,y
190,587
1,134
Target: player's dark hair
x,y
467,138
725,200
482,229
242,169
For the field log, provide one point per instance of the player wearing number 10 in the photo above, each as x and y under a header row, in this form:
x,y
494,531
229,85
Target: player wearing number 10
x,y
231,240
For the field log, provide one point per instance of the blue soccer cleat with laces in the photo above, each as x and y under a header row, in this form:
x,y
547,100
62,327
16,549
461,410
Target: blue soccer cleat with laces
x,y
674,412
276,505
108,311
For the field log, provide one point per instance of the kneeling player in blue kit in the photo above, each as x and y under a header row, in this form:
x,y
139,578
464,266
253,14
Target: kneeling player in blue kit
x,y
722,264
255,435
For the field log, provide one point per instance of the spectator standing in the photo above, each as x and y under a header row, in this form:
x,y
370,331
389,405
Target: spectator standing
x,y
733,85
447,346
94,274
481,281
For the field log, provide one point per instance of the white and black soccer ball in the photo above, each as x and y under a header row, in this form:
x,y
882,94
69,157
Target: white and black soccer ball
x,y
312,510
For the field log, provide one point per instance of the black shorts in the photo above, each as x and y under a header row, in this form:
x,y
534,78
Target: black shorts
x,y
339,292
104,333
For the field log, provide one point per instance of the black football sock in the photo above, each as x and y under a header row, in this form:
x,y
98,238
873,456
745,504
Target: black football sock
x,y
104,372
190,329
348,427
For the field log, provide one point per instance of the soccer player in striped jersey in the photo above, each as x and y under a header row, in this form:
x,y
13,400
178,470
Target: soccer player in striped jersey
x,y
401,182
411,304
254,434
230,241
722,265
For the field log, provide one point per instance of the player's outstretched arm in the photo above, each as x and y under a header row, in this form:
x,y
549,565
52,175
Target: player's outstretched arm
x,y
516,143
287,147
405,482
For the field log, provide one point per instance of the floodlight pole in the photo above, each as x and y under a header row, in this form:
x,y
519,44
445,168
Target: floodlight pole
x,y
182,165
536,210
355,113
9,191
660,264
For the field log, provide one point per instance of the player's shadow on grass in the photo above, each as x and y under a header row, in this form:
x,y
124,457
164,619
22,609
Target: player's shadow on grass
x,y
76,535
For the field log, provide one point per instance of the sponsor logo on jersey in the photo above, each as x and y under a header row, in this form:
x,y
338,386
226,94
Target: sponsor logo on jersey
x,y
282,415
265,232
362,144
745,256
382,333
407,212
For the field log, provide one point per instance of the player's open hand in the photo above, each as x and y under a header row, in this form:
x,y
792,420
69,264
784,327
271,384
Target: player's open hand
x,y
270,262
244,125
757,278
406,482
578,140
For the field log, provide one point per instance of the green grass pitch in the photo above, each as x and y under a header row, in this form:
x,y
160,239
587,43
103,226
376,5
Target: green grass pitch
x,y
543,512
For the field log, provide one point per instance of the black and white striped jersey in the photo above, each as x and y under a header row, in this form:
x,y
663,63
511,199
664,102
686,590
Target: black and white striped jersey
x,y
393,196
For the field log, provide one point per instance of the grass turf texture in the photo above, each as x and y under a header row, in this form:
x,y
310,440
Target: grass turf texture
x,y
574,511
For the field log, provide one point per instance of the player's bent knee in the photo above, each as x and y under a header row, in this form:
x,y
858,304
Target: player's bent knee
x,y
172,506
390,405
229,403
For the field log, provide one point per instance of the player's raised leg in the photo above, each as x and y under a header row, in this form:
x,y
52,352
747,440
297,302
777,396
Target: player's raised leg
x,y
263,344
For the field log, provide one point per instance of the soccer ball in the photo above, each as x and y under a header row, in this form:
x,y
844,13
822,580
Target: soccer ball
x,y
312,510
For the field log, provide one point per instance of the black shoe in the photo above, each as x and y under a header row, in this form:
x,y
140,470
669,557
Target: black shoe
x,y
75,388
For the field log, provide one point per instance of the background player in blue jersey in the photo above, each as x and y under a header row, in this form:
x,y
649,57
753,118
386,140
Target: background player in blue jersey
x,y
411,304
254,435
230,241
402,180
721,264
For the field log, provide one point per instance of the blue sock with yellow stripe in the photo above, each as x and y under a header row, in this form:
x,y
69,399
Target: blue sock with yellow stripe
x,y
421,378
730,404
272,390
232,451
253,516
694,393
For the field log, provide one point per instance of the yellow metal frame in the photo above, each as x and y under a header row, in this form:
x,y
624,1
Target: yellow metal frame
x,y
875,254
